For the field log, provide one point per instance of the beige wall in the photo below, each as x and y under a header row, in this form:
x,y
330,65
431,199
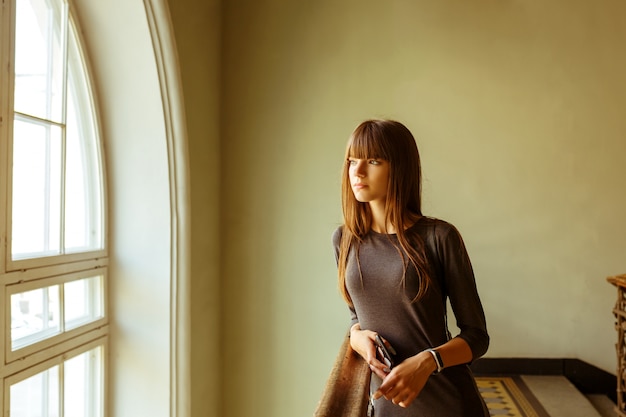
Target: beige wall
x,y
518,109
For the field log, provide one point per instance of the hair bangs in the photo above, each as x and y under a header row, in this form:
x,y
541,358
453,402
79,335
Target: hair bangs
x,y
368,141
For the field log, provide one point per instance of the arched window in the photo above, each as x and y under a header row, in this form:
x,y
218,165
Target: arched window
x,y
53,260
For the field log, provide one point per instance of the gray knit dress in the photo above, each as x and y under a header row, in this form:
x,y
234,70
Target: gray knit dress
x,y
384,305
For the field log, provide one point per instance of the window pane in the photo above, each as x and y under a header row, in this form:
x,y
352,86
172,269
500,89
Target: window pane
x,y
39,58
83,301
83,213
37,396
37,164
34,316
83,388
83,200
76,197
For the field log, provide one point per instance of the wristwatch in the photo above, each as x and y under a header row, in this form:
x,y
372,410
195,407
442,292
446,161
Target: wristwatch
x,y
438,360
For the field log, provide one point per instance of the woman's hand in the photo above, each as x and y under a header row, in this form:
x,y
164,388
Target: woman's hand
x,y
362,342
406,380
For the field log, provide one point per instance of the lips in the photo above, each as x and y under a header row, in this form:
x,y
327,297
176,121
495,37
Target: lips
x,y
358,185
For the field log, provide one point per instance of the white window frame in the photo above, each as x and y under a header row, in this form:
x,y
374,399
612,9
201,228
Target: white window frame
x,y
8,120
32,273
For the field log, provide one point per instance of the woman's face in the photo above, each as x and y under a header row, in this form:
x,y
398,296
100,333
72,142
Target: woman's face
x,y
368,179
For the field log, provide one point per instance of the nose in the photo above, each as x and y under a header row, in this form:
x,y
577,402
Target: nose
x,y
359,169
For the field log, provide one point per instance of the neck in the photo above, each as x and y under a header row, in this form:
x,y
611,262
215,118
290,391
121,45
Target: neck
x,y
379,223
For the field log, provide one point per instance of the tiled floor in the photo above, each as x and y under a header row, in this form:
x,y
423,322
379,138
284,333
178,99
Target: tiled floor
x,y
508,396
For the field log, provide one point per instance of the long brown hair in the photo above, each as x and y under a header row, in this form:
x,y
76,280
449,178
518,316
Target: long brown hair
x,y
393,142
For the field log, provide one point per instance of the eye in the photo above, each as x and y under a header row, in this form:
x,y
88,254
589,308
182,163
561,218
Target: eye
x,y
374,162
351,162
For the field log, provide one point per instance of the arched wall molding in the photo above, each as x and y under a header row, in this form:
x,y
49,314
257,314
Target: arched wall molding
x,y
166,57
131,49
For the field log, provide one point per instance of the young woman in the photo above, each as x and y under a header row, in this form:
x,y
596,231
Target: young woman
x,y
397,268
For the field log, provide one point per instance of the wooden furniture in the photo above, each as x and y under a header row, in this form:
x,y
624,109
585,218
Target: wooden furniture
x,y
620,325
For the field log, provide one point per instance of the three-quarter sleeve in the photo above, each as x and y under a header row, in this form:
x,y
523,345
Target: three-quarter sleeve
x,y
460,284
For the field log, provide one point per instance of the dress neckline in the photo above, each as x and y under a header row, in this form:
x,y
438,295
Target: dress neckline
x,y
375,233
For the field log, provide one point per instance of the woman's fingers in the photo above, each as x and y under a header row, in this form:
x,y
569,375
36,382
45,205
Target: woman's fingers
x,y
404,398
401,397
379,368
404,382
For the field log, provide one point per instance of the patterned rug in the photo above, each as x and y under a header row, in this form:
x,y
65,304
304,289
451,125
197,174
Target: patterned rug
x,y
509,396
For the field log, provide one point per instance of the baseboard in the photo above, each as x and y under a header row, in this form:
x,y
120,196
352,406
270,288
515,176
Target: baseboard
x,y
587,378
